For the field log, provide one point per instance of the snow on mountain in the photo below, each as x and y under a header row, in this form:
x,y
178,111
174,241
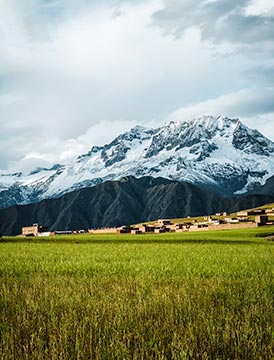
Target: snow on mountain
x,y
219,153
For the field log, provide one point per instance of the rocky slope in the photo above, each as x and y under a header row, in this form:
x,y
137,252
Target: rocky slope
x,y
217,154
267,188
127,201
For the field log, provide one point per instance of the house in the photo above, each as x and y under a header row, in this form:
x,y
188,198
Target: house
x,y
163,222
47,233
63,232
123,230
172,227
146,228
33,230
136,231
208,218
243,213
257,212
234,220
261,219
160,230
250,212
103,231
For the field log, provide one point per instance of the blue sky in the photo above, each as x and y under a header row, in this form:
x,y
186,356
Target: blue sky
x,y
77,73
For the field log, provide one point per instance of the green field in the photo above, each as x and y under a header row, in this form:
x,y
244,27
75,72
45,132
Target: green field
x,y
170,296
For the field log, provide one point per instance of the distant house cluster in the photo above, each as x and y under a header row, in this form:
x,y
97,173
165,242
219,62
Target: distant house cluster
x,y
261,216
208,223
220,221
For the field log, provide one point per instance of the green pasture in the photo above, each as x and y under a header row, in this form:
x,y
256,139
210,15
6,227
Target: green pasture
x,y
206,295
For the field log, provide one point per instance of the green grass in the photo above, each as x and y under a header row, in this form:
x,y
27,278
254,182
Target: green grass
x,y
266,206
203,295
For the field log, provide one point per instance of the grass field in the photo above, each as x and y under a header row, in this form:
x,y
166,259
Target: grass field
x,y
170,296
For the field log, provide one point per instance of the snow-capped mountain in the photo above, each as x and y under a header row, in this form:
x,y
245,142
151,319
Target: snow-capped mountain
x,y
220,154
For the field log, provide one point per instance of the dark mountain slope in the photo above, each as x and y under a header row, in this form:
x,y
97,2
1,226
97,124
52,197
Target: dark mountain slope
x,y
245,202
127,201
267,188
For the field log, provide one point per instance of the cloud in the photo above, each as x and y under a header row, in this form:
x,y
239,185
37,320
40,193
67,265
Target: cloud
x,y
243,103
219,21
52,150
254,106
75,74
231,28
265,122
98,134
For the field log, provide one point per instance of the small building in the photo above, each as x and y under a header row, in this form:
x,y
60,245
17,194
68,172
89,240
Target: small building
x,y
235,220
224,213
63,232
243,213
261,219
123,230
135,231
269,212
208,218
33,230
213,220
160,230
251,212
47,233
164,222
145,228
172,227
257,212
103,231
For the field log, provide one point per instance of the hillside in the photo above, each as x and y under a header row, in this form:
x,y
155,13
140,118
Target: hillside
x,y
128,201
267,188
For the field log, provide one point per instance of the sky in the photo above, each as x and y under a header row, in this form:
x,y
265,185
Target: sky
x,y
74,74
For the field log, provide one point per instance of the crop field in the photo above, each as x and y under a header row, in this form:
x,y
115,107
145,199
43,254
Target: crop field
x,y
169,296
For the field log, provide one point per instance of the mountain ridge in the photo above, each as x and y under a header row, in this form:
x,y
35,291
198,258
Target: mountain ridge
x,y
218,154
124,202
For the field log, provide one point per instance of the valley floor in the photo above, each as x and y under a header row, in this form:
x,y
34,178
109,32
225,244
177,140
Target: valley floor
x,y
168,296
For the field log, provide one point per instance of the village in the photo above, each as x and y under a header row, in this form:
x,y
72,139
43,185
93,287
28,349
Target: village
x,y
220,221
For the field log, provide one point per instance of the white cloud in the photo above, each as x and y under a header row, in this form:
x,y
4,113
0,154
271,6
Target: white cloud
x,y
264,123
254,106
241,22
256,7
98,134
75,74
55,150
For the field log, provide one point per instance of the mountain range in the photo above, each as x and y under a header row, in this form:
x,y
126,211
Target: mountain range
x,y
185,168
217,154
125,202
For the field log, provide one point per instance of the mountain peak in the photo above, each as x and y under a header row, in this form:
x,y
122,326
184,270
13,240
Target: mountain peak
x,y
137,132
187,133
211,122
206,122
215,152
139,128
